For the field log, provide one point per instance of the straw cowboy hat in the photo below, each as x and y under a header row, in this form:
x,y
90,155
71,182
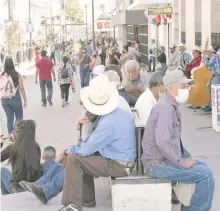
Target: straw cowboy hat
x,y
210,49
181,45
101,97
197,48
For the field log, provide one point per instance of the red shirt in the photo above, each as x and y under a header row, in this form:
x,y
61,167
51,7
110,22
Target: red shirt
x,y
195,63
45,66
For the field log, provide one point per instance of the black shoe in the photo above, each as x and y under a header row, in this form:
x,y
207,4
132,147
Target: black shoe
x,y
24,184
37,191
44,104
70,207
50,103
89,204
207,109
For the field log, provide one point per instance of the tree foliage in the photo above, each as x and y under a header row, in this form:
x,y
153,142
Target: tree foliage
x,y
73,9
13,36
52,35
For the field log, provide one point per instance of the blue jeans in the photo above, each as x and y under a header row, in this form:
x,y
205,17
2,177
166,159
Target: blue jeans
x,y
200,174
5,181
52,182
84,77
13,110
43,85
47,165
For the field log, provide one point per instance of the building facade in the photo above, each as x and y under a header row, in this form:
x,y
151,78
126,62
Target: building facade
x,y
191,23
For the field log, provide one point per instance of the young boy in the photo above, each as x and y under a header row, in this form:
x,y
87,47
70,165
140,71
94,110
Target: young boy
x,y
49,157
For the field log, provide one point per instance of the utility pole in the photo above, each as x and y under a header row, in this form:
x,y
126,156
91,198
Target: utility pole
x,y
9,10
93,25
51,18
86,24
30,23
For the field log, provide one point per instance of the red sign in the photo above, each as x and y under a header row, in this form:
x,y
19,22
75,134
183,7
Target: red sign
x,y
104,25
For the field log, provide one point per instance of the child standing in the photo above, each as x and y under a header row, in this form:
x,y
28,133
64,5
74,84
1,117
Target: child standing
x,y
65,79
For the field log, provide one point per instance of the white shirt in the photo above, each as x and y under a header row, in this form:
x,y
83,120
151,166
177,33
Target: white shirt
x,y
144,105
124,105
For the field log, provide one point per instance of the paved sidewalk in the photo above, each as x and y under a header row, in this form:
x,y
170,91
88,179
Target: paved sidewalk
x,y
56,126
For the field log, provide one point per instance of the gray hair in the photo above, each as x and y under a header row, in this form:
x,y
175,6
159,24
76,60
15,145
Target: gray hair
x,y
132,64
156,79
113,77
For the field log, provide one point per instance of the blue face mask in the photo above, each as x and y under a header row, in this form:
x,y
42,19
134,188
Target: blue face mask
x,y
161,95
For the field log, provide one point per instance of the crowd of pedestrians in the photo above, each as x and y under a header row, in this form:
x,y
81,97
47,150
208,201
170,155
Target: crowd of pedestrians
x,y
112,82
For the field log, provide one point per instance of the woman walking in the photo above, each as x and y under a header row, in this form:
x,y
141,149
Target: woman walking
x,y
65,79
13,106
24,156
162,59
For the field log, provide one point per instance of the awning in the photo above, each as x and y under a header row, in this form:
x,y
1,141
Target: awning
x,y
143,4
129,17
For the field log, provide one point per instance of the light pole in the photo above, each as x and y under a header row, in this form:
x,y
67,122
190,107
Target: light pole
x,y
86,24
30,22
93,24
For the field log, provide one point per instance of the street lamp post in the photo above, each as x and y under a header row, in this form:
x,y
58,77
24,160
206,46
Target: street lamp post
x,y
30,22
93,24
86,24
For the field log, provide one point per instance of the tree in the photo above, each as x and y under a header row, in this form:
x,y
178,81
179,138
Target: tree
x,y
13,36
73,9
52,35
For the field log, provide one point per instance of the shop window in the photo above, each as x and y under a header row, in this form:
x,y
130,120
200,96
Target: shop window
x,y
130,37
198,38
143,39
215,39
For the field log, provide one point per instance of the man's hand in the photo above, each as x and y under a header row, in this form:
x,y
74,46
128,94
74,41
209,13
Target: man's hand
x,y
25,104
86,65
63,156
190,162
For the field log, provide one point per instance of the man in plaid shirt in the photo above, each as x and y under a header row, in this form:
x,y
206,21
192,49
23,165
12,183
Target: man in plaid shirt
x,y
212,60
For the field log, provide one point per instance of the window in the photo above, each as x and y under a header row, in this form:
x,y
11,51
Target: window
x,y
198,38
183,37
215,39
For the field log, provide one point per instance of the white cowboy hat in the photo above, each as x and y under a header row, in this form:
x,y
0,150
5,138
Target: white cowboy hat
x,y
101,97
99,69
197,48
181,45
210,49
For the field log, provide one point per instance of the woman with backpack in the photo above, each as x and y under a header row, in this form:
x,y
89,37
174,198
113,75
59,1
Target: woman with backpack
x,y
11,90
24,155
65,79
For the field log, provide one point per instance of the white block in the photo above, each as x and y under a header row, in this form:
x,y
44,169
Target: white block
x,y
141,194
216,107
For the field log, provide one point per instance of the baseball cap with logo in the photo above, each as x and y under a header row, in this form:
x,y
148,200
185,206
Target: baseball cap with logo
x,y
175,77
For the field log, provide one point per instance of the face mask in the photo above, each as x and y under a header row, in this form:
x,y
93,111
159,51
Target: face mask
x,y
161,95
183,95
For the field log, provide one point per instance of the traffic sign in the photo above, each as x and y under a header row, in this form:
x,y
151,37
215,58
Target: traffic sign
x,y
30,27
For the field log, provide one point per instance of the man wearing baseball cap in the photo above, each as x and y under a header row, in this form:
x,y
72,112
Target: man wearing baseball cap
x,y
163,154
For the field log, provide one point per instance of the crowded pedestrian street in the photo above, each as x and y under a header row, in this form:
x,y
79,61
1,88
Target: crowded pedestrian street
x,y
110,105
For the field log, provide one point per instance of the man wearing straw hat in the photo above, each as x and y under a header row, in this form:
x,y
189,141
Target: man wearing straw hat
x,y
212,60
115,144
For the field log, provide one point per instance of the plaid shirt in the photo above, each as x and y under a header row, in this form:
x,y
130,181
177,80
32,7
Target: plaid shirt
x,y
186,59
213,64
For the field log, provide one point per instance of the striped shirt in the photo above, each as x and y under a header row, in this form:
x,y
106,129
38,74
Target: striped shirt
x,y
213,64
162,135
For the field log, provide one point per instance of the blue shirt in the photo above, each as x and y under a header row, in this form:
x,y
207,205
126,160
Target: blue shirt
x,y
213,64
185,60
86,60
114,138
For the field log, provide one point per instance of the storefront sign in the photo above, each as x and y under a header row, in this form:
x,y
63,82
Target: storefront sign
x,y
160,11
104,25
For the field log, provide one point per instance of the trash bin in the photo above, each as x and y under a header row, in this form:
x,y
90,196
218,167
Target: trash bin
x,y
216,107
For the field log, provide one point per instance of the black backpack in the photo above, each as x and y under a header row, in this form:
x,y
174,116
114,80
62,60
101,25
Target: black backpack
x,y
64,73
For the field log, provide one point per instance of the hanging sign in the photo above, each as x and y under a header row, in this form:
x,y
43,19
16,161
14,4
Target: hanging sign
x,y
160,11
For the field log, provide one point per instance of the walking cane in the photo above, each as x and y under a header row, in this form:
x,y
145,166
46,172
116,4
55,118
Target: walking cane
x,y
80,133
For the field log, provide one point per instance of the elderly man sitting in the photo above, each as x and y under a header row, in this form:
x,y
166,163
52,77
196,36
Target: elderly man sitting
x,y
149,98
163,153
134,83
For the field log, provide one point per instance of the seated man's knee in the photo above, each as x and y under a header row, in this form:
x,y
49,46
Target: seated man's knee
x,y
4,171
72,157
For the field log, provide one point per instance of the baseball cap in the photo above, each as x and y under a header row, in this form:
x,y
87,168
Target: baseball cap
x,y
174,77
